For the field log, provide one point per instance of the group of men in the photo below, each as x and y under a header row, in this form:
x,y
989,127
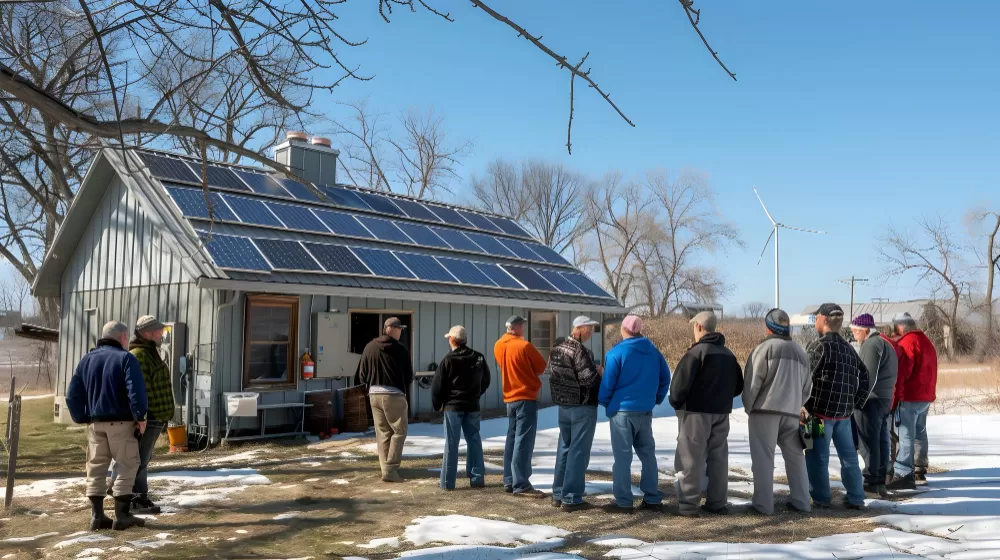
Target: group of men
x,y
126,399
797,400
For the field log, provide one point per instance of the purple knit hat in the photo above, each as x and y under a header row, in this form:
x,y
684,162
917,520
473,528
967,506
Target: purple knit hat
x,y
864,321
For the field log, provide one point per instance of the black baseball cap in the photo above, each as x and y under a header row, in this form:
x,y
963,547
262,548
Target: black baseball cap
x,y
830,310
394,323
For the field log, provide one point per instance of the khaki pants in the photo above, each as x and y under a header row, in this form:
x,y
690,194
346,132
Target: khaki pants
x,y
766,432
702,441
390,413
107,441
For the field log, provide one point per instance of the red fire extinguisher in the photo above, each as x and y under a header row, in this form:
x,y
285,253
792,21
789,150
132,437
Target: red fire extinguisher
x,y
308,366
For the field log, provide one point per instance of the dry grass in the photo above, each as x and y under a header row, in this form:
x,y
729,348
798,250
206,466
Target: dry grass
x,y
673,336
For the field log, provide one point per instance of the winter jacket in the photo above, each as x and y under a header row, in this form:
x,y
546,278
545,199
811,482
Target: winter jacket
x,y
156,374
107,386
880,360
840,378
777,378
707,378
917,379
520,365
461,378
386,362
573,376
636,377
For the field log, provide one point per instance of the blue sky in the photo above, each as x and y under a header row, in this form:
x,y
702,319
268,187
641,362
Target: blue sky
x,y
848,118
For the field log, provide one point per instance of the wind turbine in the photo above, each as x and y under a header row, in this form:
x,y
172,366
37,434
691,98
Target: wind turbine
x,y
774,233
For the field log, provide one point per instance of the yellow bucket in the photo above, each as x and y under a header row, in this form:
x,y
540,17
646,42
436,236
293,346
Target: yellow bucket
x,y
178,438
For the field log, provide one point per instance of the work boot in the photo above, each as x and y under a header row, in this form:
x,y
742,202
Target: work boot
x,y
883,491
655,508
720,510
573,508
920,479
98,521
142,504
902,483
392,475
123,517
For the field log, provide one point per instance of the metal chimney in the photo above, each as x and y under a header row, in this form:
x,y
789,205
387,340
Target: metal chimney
x,y
313,160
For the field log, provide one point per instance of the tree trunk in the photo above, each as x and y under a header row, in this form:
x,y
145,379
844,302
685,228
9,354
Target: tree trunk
x,y
48,309
951,339
991,264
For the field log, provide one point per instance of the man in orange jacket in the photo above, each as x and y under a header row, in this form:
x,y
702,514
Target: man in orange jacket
x,y
521,364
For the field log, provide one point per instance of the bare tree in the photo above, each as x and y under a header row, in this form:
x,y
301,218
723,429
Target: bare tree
x,y
936,257
754,310
427,161
364,141
990,238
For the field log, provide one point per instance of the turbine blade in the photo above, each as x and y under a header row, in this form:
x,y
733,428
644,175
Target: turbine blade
x,y
766,243
802,229
764,207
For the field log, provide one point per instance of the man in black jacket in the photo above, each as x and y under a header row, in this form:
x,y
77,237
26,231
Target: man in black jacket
x,y
706,381
461,379
575,381
387,371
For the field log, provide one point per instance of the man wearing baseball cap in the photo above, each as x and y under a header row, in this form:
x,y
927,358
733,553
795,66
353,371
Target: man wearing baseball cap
x,y
387,371
460,380
916,389
840,386
879,358
521,364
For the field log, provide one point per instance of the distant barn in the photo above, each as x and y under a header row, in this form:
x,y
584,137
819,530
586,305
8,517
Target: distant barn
x,y
689,310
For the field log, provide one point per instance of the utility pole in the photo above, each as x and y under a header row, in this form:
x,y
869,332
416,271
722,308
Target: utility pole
x,y
880,301
852,281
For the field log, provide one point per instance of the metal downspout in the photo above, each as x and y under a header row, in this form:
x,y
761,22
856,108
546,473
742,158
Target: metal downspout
x,y
213,418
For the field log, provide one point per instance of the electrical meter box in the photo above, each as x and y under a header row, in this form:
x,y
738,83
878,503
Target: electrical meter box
x,y
173,346
331,333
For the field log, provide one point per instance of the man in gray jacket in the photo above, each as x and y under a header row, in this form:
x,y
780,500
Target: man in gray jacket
x,y
778,381
879,357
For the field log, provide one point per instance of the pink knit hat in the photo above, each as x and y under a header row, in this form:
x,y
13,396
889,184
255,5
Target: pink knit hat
x,y
632,324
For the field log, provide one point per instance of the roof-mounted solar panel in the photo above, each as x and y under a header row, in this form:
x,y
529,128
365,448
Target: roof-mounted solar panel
x,y
233,252
520,249
298,190
547,253
287,255
416,210
466,272
193,205
382,263
480,221
509,226
297,217
171,169
458,240
449,216
252,211
559,281
379,203
337,258
499,276
422,235
261,183
588,286
425,267
344,197
531,279
384,230
343,223
490,244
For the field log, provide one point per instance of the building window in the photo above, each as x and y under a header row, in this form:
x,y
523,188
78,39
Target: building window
x,y
367,326
271,329
543,331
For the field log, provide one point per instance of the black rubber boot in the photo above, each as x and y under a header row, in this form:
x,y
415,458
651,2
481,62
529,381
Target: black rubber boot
x,y
123,517
98,521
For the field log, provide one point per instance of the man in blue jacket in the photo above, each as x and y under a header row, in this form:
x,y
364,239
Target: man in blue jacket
x,y
107,392
636,378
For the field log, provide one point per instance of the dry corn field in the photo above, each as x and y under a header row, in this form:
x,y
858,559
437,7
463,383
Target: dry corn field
x,y
673,336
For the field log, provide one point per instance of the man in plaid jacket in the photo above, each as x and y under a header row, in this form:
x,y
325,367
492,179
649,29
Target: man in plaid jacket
x,y
840,385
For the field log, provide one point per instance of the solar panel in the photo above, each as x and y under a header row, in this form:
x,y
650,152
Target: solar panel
x,y
422,235
336,258
480,221
261,184
384,230
450,216
298,190
520,249
466,272
287,255
297,217
222,177
509,226
588,286
343,223
425,267
192,204
457,240
234,252
499,276
560,282
252,211
344,197
416,210
531,279
382,263
168,168
490,244
379,203
547,253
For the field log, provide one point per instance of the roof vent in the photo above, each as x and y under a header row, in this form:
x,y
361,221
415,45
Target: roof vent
x,y
320,141
296,135
313,160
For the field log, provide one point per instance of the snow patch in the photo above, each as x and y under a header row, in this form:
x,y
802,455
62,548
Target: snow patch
x,y
158,541
340,481
47,487
91,552
617,541
463,529
30,539
243,477
236,458
288,515
81,537
392,542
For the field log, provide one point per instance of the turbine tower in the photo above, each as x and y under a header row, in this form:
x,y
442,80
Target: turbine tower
x,y
775,226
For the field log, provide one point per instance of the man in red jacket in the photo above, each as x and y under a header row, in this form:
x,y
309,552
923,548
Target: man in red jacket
x,y
916,387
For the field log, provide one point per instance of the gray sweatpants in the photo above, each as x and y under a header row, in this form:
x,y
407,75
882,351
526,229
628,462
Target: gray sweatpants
x,y
702,439
766,432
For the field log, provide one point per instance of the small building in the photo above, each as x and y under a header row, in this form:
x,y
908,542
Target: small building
x,y
689,310
259,268
9,319
881,311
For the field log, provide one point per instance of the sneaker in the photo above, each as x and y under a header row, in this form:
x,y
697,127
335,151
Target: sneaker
x,y
655,508
617,509
920,479
392,476
821,505
572,508
791,507
721,510
508,489
883,492
902,483
142,504
855,507
556,503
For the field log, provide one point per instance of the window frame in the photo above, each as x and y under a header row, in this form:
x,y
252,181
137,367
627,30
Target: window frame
x,y
383,315
272,300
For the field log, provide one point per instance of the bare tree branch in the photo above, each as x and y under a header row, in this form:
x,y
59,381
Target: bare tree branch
x,y
694,16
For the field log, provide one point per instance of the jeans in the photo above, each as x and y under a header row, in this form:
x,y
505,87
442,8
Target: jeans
x,y
873,437
146,444
576,435
455,424
911,425
634,430
522,421
818,463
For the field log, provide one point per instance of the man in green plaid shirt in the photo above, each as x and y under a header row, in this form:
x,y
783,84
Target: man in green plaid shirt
x,y
160,396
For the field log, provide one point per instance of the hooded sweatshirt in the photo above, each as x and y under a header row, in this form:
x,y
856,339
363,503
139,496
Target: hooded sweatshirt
x,y
636,377
708,377
385,363
520,365
460,380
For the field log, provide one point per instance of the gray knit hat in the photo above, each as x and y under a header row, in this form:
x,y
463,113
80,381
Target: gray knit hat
x,y
148,323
